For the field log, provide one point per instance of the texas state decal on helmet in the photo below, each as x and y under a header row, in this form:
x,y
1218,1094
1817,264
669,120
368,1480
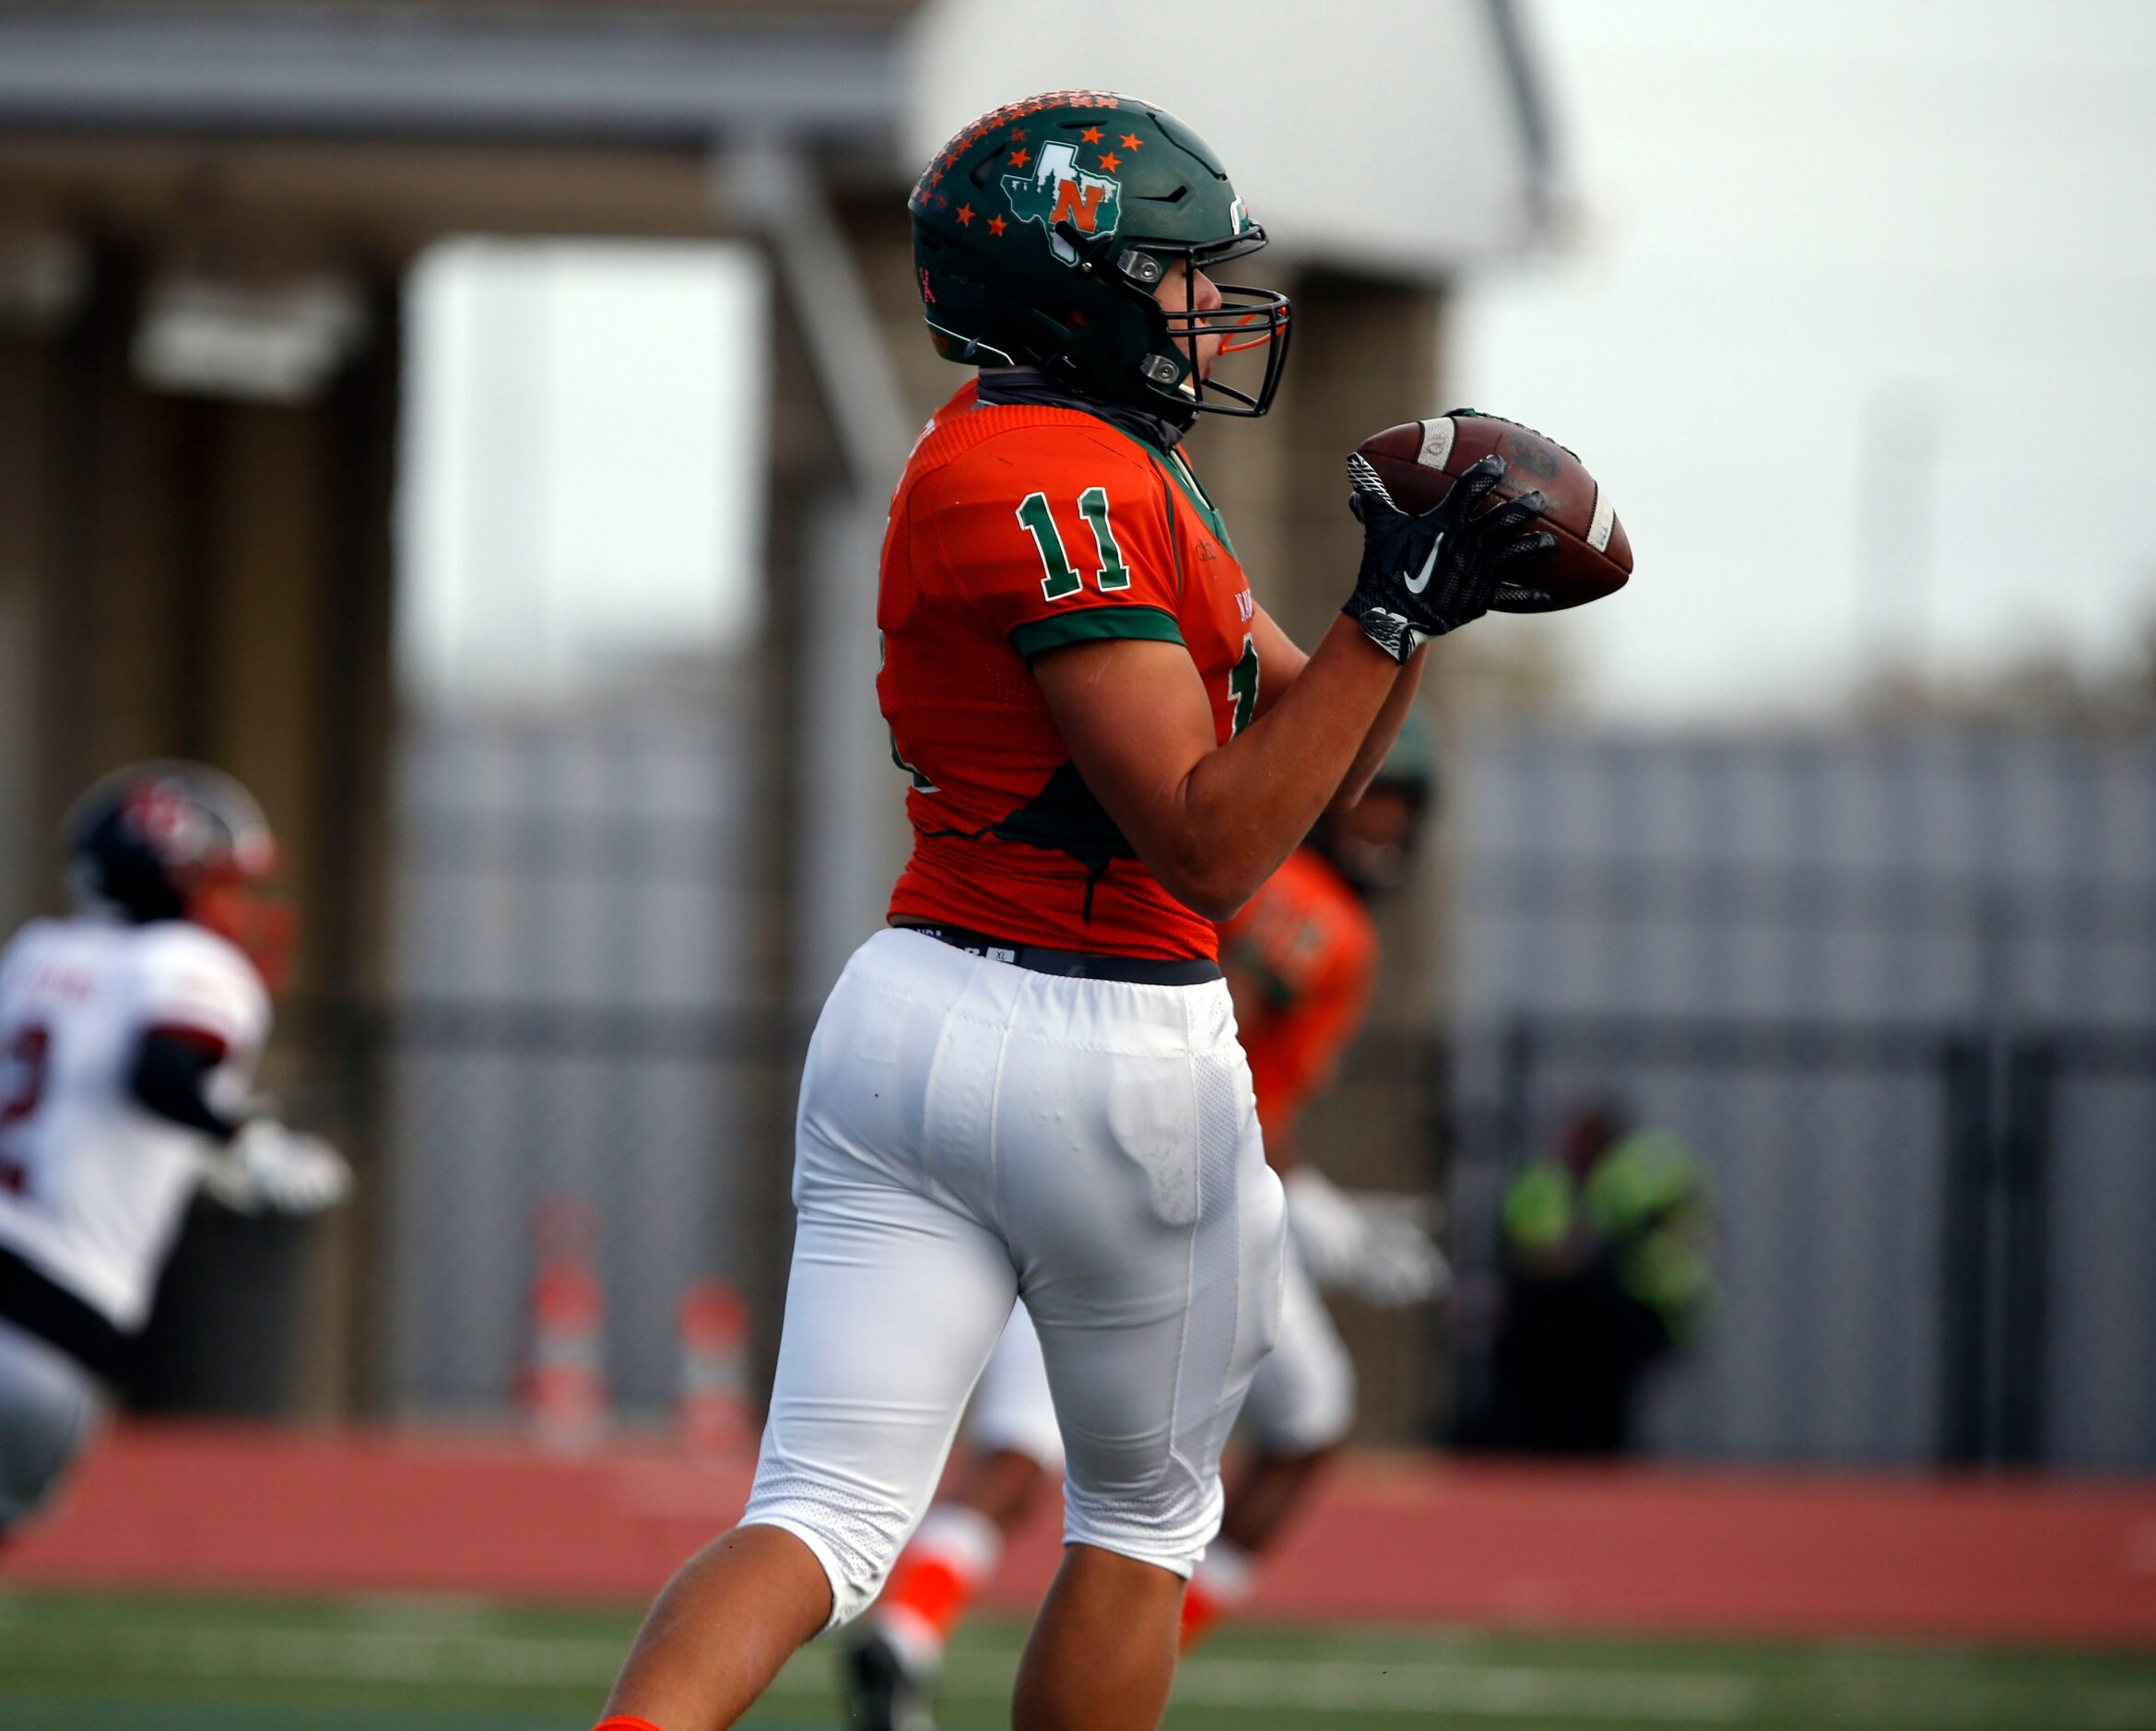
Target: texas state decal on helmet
x,y
1045,232
1059,191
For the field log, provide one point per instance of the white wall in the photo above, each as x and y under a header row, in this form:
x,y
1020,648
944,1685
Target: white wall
x,y
1378,134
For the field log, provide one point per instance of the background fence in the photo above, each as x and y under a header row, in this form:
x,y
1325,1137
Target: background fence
x,y
1931,1219
1924,1238
624,1132
1898,992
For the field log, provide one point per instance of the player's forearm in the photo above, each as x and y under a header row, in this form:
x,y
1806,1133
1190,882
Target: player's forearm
x,y
1379,739
1283,662
1243,808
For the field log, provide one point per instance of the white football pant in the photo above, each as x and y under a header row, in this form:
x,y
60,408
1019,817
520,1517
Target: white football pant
x,y
49,1411
1013,1405
1302,1398
971,1131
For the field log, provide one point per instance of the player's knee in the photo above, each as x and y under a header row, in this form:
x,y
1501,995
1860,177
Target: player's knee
x,y
1168,1524
856,1537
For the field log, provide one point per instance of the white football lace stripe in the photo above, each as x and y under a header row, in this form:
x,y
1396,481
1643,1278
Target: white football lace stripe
x,y
1437,443
1605,520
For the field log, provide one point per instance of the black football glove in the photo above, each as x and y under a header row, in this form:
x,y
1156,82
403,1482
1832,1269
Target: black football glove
x,y
1424,576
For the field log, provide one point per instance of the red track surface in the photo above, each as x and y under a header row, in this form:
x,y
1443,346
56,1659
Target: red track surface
x,y
1396,1538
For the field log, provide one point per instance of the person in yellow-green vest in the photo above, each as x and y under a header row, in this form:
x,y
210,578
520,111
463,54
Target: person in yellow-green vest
x,y
1606,1275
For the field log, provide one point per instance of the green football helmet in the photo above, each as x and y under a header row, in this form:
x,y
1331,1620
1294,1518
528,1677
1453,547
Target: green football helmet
x,y
1373,845
1041,232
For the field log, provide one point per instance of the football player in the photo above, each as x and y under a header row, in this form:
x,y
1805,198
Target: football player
x,y
1299,959
128,1037
1029,1084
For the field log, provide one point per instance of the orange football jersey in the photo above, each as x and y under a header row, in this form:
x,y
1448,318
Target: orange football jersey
x,y
1307,944
1017,529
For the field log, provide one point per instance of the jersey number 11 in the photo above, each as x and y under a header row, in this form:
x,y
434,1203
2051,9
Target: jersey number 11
x,y
1062,580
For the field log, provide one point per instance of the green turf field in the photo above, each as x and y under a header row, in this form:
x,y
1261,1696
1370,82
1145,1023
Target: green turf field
x,y
83,1663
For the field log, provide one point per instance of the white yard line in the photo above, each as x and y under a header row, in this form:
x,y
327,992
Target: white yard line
x,y
1486,1692
1374,1686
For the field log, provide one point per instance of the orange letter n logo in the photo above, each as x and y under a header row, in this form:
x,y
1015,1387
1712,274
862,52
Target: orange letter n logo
x,y
1079,204
1063,200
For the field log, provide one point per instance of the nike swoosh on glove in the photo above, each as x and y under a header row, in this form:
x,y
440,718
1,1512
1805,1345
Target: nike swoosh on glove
x,y
1422,576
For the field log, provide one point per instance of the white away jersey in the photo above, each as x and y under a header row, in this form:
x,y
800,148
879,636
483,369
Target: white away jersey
x,y
93,1184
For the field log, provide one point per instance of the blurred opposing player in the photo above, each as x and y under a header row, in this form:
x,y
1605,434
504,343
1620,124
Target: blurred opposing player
x,y
1029,1085
128,1038
1299,959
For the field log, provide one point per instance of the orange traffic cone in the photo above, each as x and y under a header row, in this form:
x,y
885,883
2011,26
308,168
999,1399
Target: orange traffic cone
x,y
714,1369
565,1384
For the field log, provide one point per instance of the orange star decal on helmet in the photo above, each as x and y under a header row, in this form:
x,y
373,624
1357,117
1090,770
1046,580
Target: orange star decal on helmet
x,y
1090,135
965,215
1110,161
996,225
1019,159
1017,134
1131,141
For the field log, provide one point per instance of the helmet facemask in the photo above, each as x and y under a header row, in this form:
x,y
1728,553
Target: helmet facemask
x,y
1249,321
252,912
1043,230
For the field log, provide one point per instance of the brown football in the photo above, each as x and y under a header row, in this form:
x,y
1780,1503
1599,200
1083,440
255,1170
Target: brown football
x,y
1420,461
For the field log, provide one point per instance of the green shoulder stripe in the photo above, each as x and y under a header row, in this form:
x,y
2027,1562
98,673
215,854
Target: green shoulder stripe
x,y
1091,625
1183,479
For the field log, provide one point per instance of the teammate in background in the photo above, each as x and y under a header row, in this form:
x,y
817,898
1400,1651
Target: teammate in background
x,y
1029,1085
1606,1276
128,1037
1299,959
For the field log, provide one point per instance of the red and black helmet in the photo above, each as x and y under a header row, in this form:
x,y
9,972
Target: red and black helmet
x,y
146,840
177,840
181,841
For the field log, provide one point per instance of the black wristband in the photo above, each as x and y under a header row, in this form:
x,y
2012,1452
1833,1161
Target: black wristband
x,y
1391,632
